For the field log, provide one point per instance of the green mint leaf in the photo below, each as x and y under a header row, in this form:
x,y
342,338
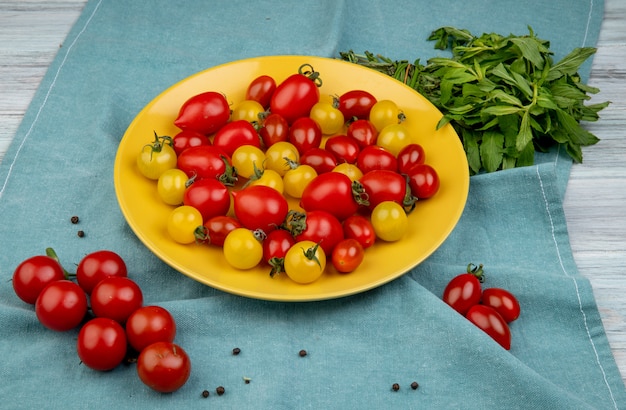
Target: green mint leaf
x,y
570,64
531,49
491,150
471,146
525,135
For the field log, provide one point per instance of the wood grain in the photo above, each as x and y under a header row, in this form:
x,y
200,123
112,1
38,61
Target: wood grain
x,y
31,33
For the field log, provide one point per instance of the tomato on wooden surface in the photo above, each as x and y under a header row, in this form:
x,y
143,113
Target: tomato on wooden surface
x,y
164,366
116,298
503,301
61,305
204,113
215,230
260,207
99,265
464,290
207,161
347,255
360,228
390,221
150,324
297,94
171,186
243,249
305,133
182,223
356,103
188,138
156,157
261,90
101,344
423,180
489,320
305,262
235,134
209,196
320,159
34,274
331,192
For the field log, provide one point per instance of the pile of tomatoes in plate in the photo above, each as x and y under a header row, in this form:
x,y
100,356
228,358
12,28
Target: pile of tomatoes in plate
x,y
118,319
289,178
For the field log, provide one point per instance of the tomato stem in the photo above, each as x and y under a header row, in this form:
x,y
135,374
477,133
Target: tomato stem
x,y
310,254
476,271
52,254
359,194
310,74
277,264
229,177
295,222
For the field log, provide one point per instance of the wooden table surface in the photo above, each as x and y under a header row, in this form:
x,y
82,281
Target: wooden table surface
x,y
31,32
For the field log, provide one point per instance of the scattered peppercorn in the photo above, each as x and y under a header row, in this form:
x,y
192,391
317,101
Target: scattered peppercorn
x,y
302,353
74,219
80,234
395,387
205,393
236,351
220,390
246,380
414,385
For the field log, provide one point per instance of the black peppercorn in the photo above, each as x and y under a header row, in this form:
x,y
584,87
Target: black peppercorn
x,y
302,353
80,234
236,351
220,390
395,387
74,219
414,385
205,393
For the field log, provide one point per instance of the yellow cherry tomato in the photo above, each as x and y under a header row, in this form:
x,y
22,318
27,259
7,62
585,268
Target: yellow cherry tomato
x,y
296,179
305,262
350,170
270,178
278,155
390,221
156,158
182,223
247,159
393,138
248,110
329,118
242,249
383,113
171,186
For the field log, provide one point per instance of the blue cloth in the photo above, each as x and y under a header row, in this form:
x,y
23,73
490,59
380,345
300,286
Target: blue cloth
x,y
120,55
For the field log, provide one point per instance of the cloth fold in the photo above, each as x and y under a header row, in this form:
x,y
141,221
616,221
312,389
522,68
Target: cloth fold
x,y
120,55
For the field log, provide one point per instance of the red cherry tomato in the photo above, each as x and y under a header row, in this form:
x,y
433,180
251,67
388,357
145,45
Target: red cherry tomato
x,y
209,196
188,138
150,324
116,298
347,255
235,134
99,265
344,148
490,321
275,129
409,156
356,103
374,157
320,159
331,192
261,90
464,290
503,301
61,305
360,228
34,274
321,228
260,207
275,247
363,132
101,344
204,113
305,134
383,185
164,366
217,228
296,95
207,161
423,180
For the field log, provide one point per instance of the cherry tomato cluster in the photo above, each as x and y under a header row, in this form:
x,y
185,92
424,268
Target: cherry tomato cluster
x,y
118,321
233,175
491,309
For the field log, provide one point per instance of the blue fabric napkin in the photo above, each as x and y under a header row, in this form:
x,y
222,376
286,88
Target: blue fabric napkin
x,y
120,55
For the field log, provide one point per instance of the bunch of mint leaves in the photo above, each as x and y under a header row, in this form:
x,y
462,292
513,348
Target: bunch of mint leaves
x,y
504,95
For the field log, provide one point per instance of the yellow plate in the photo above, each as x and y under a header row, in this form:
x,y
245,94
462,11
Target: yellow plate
x,y
429,224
